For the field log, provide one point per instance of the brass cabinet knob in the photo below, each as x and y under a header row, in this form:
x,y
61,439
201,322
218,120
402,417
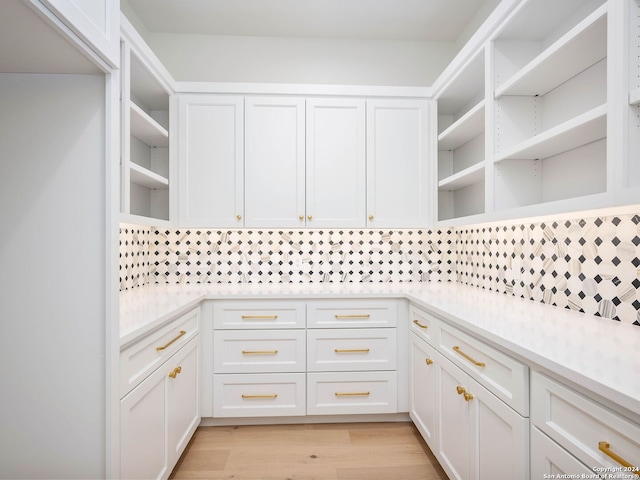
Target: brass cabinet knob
x,y
428,361
301,217
371,217
175,372
460,390
309,217
238,217
468,396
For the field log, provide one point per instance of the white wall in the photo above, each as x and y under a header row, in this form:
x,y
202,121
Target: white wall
x,y
301,60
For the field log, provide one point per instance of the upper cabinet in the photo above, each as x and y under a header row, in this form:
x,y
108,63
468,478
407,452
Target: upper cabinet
x,y
145,107
95,22
524,123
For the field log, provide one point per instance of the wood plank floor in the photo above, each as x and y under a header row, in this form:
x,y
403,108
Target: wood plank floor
x,y
351,451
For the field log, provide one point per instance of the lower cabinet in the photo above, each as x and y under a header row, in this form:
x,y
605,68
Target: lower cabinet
x,y
422,388
158,417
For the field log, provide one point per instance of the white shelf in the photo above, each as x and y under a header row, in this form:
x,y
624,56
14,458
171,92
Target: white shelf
x,y
464,87
146,178
464,178
634,97
146,129
469,126
581,130
581,47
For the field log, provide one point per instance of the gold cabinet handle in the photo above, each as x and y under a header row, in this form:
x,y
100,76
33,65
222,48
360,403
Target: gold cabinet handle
x,y
417,322
164,347
468,396
461,353
259,352
309,217
428,361
354,350
460,390
259,317
352,394
238,217
342,317
254,397
371,217
301,217
606,449
174,373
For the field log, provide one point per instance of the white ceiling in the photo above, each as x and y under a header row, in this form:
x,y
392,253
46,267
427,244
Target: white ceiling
x,y
425,20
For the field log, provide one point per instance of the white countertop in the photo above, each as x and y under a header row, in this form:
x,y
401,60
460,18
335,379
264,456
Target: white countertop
x,y
598,354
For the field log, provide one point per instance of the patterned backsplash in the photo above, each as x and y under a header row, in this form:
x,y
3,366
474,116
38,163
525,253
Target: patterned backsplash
x,y
591,265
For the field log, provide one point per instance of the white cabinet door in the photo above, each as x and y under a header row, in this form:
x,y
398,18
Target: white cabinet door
x,y
183,399
143,429
397,170
335,163
423,389
274,162
211,161
96,22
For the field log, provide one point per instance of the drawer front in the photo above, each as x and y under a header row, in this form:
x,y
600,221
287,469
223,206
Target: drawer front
x,y
259,351
549,460
505,377
139,360
352,314
580,425
256,315
351,393
423,324
341,349
259,395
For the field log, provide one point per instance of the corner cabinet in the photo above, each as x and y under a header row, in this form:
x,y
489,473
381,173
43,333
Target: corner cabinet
x,y
146,103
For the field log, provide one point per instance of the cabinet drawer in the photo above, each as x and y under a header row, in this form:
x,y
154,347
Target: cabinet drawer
x,y
352,314
423,324
344,349
580,425
143,357
548,459
505,377
351,392
257,315
264,351
259,395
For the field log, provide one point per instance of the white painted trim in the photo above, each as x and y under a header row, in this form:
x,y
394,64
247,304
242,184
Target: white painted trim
x,y
302,89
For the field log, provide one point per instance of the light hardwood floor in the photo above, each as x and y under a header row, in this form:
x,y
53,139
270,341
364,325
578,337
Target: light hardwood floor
x,y
351,451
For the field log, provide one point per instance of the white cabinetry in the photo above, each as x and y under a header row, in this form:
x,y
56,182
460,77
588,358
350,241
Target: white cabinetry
x,y
211,161
566,421
146,99
397,172
274,162
160,405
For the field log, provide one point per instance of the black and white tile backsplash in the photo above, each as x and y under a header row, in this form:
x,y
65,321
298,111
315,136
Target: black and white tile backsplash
x,y
592,264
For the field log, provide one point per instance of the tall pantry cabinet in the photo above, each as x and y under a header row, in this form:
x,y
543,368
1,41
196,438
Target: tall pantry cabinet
x,y
58,250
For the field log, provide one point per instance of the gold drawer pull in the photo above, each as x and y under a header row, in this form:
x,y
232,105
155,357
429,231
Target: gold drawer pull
x,y
182,332
254,397
352,350
417,322
605,447
259,317
259,352
352,394
174,373
362,315
428,361
460,352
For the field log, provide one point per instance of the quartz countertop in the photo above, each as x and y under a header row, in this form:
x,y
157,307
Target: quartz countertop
x,y
598,354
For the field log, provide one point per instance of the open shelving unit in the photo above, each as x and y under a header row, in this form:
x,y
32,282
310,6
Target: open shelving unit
x,y
550,104
146,167
461,142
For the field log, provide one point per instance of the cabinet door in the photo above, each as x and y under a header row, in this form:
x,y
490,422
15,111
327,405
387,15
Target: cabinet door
x,y
96,22
453,432
423,384
499,437
335,163
211,161
550,460
143,429
397,170
274,162
183,399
